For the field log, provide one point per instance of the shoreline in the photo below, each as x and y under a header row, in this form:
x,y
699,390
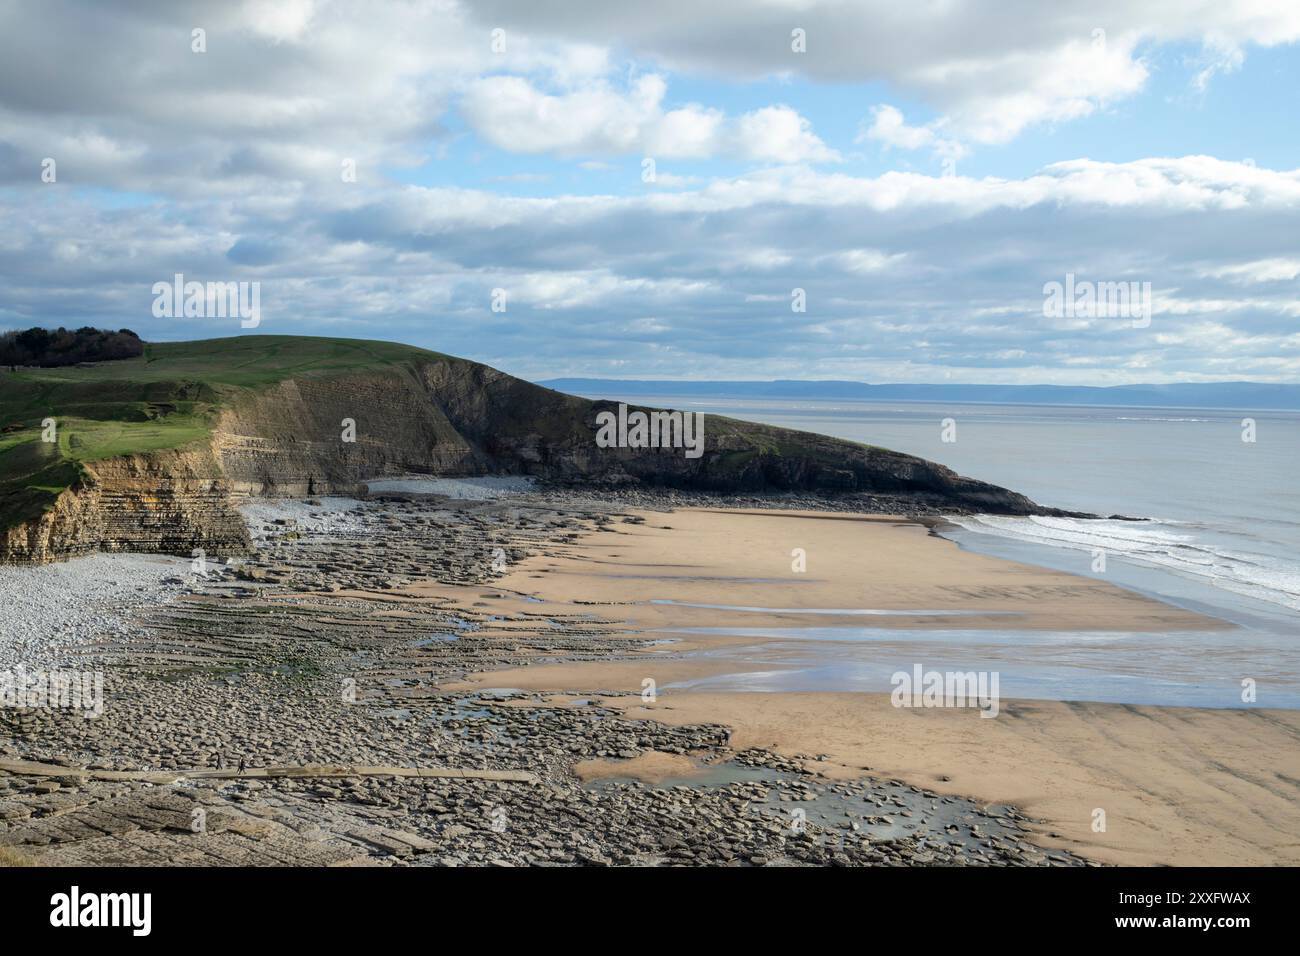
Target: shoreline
x,y
1175,783
403,601
1169,766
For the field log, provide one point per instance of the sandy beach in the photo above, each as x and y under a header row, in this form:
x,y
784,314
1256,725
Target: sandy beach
x,y
441,691
850,562
1180,786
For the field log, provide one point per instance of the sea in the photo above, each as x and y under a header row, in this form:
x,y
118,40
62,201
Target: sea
x,y
1219,494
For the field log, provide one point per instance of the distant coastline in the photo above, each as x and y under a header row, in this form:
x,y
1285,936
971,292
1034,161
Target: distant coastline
x,y
1253,396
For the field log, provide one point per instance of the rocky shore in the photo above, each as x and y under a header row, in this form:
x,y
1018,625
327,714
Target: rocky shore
x,y
312,656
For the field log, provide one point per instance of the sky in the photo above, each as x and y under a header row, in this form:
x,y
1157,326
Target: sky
x,y
816,189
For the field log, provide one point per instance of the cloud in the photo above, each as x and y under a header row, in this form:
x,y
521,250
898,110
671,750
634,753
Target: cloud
x,y
283,94
779,134
906,275
254,252
281,20
889,127
287,91
991,101
1261,270
226,165
1067,83
991,72
865,261
1220,55
512,114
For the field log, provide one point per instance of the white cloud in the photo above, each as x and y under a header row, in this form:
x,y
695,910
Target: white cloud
x,y
289,89
779,134
281,20
1220,55
230,166
673,181
991,71
949,281
888,126
571,290
284,93
1260,270
513,114
994,99
864,261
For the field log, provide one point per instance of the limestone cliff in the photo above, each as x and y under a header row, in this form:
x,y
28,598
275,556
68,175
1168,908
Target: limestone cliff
x,y
169,502
450,417
305,434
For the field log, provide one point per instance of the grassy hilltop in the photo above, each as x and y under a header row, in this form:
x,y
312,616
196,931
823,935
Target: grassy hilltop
x,y
167,398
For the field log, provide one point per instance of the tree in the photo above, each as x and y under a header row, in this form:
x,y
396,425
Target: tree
x,y
46,349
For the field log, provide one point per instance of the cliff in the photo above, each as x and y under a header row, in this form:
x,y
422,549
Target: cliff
x,y
167,502
163,447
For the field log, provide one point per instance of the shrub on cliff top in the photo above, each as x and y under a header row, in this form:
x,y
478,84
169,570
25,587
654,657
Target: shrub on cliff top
x,y
52,349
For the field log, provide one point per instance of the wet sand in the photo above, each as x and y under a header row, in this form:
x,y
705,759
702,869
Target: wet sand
x,y
851,562
1178,786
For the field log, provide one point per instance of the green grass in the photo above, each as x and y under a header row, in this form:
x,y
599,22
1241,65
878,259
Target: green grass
x,y
83,439
166,398
247,361
32,475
